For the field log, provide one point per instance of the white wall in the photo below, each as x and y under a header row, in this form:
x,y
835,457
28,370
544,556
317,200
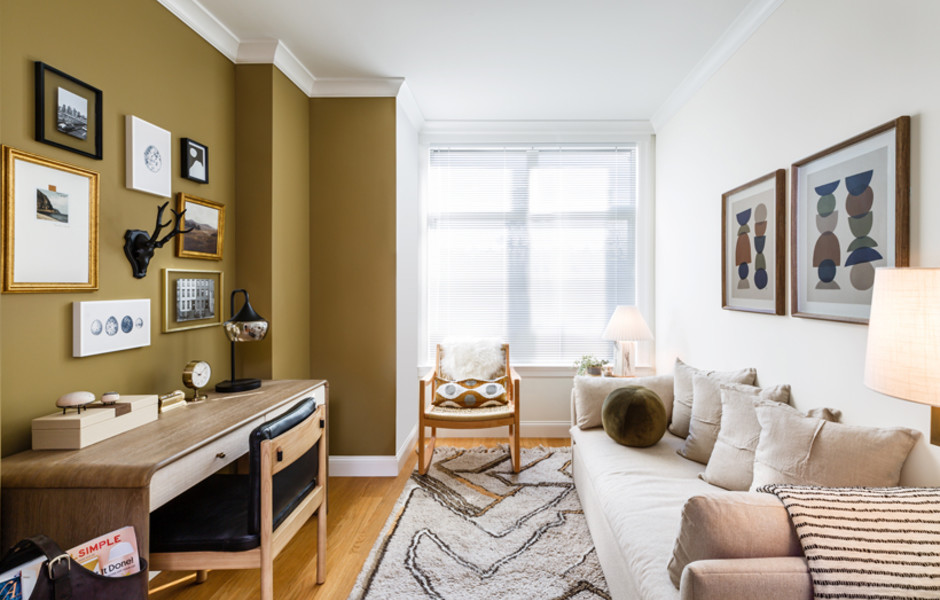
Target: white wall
x,y
814,74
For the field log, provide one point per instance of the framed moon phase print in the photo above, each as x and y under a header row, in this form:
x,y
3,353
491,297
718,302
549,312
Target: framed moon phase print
x,y
850,216
194,161
109,325
148,157
753,238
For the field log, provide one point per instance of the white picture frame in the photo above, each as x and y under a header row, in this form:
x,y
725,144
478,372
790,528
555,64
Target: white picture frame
x,y
109,326
149,157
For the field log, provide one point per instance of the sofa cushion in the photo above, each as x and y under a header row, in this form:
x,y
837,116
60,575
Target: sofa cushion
x,y
732,525
806,450
731,463
590,393
748,578
684,392
634,416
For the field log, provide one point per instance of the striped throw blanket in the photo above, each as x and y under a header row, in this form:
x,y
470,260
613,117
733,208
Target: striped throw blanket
x,y
867,543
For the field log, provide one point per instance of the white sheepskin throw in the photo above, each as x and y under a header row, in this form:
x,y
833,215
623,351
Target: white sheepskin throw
x,y
471,358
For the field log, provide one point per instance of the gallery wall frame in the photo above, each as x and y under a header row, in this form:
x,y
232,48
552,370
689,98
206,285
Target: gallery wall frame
x,y
109,326
850,211
191,299
149,157
68,112
50,225
194,161
208,220
753,245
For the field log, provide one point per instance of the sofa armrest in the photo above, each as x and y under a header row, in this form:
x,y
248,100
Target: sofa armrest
x,y
778,578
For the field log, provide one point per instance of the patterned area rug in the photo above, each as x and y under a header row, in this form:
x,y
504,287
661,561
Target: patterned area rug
x,y
472,529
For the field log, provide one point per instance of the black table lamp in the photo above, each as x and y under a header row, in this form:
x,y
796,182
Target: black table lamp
x,y
246,326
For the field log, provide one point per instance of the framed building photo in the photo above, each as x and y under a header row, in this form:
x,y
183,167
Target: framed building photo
x,y
191,299
194,161
50,225
68,112
207,220
850,216
148,157
753,245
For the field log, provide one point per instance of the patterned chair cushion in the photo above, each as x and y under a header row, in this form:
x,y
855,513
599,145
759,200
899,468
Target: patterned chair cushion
x,y
471,393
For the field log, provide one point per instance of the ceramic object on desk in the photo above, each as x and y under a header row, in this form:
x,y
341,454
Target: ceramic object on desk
x,y
74,400
110,397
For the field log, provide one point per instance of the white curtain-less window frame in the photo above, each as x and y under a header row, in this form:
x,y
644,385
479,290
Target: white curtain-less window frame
x,y
532,243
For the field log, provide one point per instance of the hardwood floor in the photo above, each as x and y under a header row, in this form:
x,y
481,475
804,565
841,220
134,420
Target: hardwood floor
x,y
359,507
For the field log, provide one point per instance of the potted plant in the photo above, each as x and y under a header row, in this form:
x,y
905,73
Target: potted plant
x,y
590,365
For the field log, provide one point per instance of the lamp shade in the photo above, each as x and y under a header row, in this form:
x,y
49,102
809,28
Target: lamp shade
x,y
903,354
627,324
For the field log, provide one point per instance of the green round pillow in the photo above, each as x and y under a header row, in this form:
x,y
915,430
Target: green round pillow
x,y
634,416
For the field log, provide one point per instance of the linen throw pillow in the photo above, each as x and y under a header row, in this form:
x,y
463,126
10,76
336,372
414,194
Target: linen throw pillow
x,y
805,450
707,411
589,394
471,393
684,393
731,465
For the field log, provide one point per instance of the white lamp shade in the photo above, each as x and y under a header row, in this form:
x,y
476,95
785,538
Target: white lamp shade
x,y
627,324
903,355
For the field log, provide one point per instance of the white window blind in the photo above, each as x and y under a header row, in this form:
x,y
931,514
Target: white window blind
x,y
535,245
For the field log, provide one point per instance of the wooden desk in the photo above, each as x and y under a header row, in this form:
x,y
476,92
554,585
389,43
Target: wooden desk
x,y
75,495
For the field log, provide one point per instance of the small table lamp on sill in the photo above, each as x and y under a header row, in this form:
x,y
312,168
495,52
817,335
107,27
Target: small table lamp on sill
x,y
625,327
246,326
903,356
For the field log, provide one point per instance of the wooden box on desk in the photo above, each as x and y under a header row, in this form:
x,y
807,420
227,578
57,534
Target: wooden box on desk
x,y
73,431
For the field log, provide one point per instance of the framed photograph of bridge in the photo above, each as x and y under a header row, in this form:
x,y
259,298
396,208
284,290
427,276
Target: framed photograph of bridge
x,y
50,225
205,222
68,112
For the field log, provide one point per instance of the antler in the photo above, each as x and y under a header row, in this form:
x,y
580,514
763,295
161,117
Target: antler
x,y
178,217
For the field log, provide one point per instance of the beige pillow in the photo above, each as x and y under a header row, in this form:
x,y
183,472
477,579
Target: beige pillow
x,y
732,459
732,525
590,392
805,450
684,392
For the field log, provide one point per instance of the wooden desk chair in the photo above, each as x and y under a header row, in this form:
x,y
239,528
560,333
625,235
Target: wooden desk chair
x,y
244,521
446,414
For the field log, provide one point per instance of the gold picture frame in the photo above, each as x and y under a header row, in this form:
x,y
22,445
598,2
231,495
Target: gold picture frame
x,y
197,313
50,225
208,218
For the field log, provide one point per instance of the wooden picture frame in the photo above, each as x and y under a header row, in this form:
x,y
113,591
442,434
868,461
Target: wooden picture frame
x,y
850,213
198,297
208,220
68,112
194,161
50,225
753,245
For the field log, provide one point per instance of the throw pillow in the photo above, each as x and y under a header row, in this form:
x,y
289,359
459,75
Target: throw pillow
x,y
472,358
804,450
684,393
471,393
731,464
589,394
634,416
705,423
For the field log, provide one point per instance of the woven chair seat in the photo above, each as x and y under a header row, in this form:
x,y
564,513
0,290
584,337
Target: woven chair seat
x,y
445,413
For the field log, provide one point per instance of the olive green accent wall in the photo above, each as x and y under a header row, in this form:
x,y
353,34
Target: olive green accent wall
x,y
149,64
352,240
273,162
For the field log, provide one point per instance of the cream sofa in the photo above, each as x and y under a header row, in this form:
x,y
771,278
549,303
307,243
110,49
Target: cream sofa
x,y
738,546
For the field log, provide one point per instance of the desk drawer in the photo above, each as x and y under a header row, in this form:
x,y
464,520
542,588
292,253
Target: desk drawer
x,y
182,474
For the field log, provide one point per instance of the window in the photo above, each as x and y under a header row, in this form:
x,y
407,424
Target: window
x,y
533,244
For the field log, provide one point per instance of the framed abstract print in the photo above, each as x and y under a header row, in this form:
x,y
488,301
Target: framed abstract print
x,y
850,212
753,244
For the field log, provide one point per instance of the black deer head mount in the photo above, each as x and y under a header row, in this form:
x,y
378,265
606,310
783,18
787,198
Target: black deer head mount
x,y
140,245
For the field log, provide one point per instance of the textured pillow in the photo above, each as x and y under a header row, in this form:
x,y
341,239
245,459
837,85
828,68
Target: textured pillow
x,y
590,392
805,450
471,393
732,525
682,403
634,416
732,460
705,423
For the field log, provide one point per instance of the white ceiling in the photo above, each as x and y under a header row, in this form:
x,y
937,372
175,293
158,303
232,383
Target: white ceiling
x,y
507,59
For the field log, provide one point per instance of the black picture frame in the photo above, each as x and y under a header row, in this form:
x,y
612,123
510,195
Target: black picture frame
x,y
188,165
75,129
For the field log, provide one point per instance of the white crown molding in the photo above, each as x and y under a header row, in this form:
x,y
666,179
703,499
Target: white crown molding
x,y
409,104
274,52
205,24
534,131
357,87
740,30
